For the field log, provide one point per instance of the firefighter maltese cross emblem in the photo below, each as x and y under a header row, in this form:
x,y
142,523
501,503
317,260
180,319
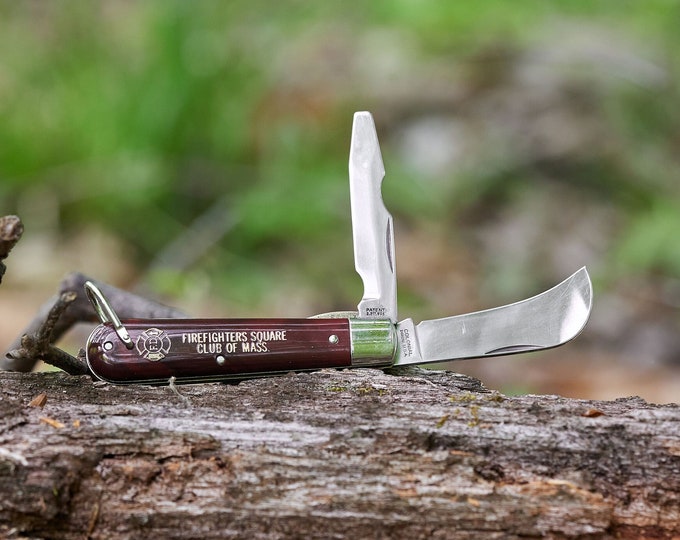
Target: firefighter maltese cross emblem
x,y
153,344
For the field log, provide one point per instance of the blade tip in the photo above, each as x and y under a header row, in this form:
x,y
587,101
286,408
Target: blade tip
x,y
586,285
362,119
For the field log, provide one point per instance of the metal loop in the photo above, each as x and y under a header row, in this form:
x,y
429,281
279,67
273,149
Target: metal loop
x,y
106,313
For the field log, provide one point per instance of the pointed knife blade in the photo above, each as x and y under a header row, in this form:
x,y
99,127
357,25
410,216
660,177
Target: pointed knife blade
x,y
372,227
541,322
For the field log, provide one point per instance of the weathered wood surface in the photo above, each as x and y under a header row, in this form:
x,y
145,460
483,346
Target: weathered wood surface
x,y
331,454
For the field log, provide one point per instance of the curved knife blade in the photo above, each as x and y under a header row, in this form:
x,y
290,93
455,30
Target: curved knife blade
x,y
372,227
541,322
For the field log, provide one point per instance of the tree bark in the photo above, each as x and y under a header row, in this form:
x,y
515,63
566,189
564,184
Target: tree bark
x,y
331,454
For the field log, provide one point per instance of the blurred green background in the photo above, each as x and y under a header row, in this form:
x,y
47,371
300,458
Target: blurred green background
x,y
197,152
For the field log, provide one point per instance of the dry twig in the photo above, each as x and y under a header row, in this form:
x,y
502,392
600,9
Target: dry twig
x,y
126,305
54,319
39,346
11,230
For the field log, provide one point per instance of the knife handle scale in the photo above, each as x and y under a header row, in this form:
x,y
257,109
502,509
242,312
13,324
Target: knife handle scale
x,y
199,350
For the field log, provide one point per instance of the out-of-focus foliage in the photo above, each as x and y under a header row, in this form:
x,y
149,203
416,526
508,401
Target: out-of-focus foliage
x,y
200,149
212,137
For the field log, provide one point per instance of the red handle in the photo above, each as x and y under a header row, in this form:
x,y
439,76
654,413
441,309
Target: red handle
x,y
215,349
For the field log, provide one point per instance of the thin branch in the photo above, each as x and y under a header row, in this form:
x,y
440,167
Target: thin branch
x,y
126,305
39,346
11,230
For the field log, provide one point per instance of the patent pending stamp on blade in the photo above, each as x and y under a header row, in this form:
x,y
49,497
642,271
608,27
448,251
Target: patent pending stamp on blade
x,y
200,350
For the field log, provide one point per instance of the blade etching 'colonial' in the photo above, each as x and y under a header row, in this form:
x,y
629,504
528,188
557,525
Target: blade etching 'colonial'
x,y
541,322
371,223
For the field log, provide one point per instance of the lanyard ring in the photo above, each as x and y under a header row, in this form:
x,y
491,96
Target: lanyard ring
x,y
106,313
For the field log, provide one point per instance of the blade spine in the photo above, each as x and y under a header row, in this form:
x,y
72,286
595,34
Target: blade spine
x,y
562,283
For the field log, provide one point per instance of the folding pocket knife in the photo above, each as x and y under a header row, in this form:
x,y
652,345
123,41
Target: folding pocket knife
x,y
200,350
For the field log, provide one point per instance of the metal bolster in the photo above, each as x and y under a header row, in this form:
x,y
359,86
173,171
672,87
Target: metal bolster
x,y
374,342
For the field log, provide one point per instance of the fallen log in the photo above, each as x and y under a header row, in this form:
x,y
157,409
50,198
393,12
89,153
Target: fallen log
x,y
331,454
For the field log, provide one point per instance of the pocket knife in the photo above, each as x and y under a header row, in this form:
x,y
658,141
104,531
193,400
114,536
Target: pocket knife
x,y
200,350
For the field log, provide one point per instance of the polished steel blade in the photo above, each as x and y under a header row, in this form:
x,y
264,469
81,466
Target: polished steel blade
x,y
371,223
541,322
